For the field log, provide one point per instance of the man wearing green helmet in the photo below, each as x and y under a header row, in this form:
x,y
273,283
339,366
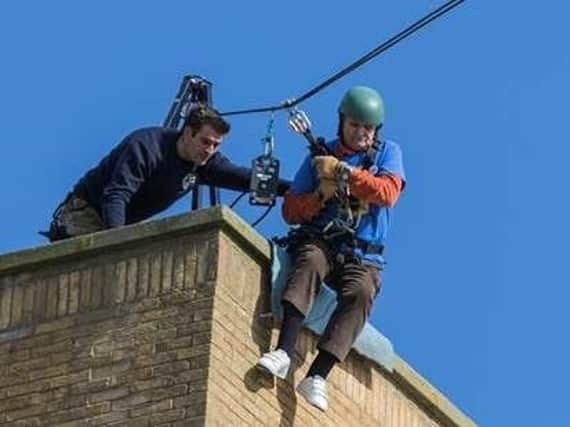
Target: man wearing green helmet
x,y
343,205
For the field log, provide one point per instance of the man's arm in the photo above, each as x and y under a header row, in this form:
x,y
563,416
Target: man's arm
x,y
221,172
300,208
303,202
385,187
131,170
383,190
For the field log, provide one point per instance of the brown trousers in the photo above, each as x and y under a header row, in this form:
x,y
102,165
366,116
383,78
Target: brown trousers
x,y
356,285
75,217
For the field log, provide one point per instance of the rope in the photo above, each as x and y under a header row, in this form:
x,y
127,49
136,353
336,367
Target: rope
x,y
420,23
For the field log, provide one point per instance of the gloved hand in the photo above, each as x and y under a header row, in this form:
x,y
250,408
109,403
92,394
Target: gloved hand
x,y
327,189
326,166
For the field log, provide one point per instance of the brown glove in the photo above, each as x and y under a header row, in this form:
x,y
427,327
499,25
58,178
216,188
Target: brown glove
x,y
327,189
326,166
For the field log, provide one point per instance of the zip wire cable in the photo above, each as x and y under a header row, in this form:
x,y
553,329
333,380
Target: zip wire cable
x,y
262,217
237,199
364,59
411,29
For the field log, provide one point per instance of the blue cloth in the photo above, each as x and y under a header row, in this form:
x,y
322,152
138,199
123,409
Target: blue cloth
x,y
374,225
370,343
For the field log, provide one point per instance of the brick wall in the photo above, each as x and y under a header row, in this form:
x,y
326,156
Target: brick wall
x,y
161,324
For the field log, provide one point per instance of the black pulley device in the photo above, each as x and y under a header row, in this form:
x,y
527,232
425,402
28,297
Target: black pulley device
x,y
264,173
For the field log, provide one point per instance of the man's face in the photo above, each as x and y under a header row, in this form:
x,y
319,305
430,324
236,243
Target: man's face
x,y
199,147
358,136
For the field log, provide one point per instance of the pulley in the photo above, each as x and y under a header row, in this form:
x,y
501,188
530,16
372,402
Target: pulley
x,y
265,172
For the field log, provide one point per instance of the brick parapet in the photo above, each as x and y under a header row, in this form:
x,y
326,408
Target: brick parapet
x,y
161,323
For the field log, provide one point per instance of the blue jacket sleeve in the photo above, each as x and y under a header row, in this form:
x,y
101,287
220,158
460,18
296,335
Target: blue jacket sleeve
x,y
392,161
305,180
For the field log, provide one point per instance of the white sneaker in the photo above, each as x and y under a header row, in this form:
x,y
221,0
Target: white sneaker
x,y
275,362
314,390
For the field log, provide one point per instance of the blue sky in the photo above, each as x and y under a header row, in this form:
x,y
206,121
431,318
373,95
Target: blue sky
x,y
474,294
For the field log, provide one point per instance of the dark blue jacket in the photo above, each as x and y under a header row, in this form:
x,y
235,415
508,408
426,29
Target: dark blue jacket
x,y
144,175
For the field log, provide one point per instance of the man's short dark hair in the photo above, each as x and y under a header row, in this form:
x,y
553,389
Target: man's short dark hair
x,y
204,115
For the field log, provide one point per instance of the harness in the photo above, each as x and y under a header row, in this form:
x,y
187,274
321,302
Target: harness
x,y
350,209
340,232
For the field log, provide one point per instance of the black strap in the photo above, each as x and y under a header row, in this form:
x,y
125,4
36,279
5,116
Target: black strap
x,y
371,153
368,247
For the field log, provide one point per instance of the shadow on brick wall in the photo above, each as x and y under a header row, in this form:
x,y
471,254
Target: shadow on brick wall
x,y
263,323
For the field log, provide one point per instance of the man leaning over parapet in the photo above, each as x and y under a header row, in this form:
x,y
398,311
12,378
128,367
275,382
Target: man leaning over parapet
x,y
147,172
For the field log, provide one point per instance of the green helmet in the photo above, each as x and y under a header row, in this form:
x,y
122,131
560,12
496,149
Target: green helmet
x,y
363,104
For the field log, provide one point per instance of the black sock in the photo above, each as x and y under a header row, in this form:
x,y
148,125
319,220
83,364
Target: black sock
x,y
322,364
292,324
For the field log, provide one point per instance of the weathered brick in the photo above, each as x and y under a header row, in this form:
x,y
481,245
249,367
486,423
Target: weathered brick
x,y
19,402
28,304
163,312
109,288
178,270
90,386
63,345
190,352
201,338
132,274
55,325
28,422
156,359
17,305
97,285
108,419
77,413
6,289
63,295
69,379
85,290
202,314
131,401
10,357
191,422
18,388
190,261
151,383
51,297
108,369
152,408
167,416
192,376
51,371
173,344
167,270
169,368
166,392
192,327
155,274
143,276
26,412
121,282
74,287
109,394
40,298
196,400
